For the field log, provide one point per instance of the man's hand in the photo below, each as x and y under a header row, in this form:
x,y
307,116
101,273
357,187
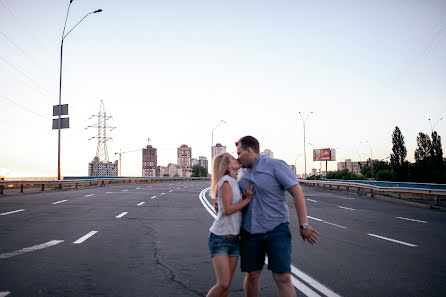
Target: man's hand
x,y
309,234
216,206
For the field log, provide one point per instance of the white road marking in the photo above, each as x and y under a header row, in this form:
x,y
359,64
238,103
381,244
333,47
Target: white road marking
x,y
89,195
312,282
178,188
162,193
413,220
85,237
319,220
170,191
153,197
137,188
297,283
311,200
108,192
3,294
61,201
121,215
141,203
30,249
393,240
124,190
343,207
7,213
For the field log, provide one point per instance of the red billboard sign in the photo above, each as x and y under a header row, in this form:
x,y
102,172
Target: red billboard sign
x,y
325,154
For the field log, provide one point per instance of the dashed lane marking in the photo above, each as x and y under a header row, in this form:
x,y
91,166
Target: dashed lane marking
x,y
153,197
3,294
162,193
61,201
311,200
141,203
30,249
85,237
121,215
348,208
11,212
413,220
89,195
393,240
170,191
320,220
124,190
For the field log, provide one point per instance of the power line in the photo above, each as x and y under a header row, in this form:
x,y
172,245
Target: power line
x,y
24,108
22,73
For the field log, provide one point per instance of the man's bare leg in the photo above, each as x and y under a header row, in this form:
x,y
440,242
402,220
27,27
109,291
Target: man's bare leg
x,y
284,284
252,283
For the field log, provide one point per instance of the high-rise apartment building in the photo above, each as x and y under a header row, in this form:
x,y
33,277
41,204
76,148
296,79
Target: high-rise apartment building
x,y
217,150
98,168
268,153
203,162
149,161
184,157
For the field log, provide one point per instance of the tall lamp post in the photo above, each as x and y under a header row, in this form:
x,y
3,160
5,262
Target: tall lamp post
x,y
60,80
305,151
433,127
218,125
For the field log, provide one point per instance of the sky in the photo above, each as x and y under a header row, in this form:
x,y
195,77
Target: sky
x,y
172,70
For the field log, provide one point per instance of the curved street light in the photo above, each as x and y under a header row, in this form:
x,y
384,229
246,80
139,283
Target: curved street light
x,y
305,151
433,127
218,125
60,79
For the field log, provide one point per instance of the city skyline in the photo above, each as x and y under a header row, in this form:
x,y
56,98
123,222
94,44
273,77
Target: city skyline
x,y
172,71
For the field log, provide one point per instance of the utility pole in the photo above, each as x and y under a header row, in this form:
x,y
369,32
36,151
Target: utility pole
x,y
305,151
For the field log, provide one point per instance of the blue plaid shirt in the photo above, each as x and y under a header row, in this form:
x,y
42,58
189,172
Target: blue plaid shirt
x,y
268,207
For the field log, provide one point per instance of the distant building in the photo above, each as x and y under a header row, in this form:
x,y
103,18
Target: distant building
x,y
194,162
352,166
293,168
149,161
97,168
184,157
173,170
217,150
268,153
161,171
203,162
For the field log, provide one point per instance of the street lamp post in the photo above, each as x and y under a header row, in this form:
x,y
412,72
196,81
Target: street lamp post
x,y
305,151
433,127
218,125
60,81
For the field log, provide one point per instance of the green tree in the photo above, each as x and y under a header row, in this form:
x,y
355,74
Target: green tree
x,y
398,157
366,171
424,147
199,171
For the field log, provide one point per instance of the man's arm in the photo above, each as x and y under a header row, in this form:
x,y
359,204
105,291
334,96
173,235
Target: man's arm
x,y
299,202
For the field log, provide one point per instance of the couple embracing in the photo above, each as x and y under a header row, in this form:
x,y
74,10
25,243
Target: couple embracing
x,y
254,224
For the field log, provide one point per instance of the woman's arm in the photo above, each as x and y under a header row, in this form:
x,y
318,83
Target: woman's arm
x,y
226,199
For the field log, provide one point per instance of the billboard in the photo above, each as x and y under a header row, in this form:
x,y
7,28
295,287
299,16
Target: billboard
x,y
325,154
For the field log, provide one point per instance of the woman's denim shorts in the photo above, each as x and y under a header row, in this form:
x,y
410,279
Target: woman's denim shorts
x,y
223,245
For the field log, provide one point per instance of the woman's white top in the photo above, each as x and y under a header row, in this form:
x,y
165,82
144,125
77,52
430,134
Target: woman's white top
x,y
227,224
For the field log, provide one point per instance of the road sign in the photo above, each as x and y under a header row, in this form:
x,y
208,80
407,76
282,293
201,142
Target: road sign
x,y
63,110
64,124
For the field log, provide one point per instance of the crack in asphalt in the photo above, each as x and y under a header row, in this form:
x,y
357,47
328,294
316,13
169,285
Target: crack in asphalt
x,y
173,276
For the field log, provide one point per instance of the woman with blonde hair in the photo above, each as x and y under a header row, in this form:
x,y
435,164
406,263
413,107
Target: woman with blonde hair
x,y
224,240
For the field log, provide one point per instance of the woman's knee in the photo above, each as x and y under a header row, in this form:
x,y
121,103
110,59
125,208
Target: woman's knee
x,y
224,285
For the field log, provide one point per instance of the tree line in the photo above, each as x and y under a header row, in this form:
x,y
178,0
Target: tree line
x,y
429,165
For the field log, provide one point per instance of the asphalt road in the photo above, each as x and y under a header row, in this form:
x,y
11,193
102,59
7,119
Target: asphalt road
x,y
151,240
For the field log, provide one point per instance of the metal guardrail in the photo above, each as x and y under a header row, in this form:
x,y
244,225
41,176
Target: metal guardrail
x,y
59,184
434,194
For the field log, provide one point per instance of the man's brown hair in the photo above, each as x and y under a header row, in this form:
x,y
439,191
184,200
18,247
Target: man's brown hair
x,y
249,141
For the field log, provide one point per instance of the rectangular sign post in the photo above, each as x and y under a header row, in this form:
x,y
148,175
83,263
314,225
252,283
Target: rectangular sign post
x,y
63,110
64,123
